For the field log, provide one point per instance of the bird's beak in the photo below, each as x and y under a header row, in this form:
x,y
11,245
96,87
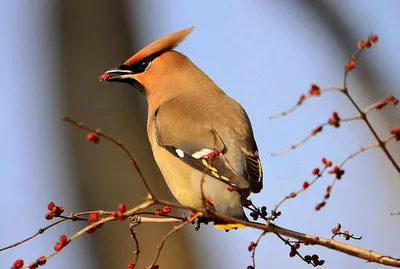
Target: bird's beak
x,y
116,75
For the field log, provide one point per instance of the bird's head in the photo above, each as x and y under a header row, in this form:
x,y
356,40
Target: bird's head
x,y
152,65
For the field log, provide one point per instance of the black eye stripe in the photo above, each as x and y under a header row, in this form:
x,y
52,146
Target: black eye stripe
x,y
136,68
142,65
123,67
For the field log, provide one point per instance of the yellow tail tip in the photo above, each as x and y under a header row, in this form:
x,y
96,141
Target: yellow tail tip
x,y
229,226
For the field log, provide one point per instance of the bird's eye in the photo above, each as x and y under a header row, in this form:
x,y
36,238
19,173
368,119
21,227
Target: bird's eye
x,y
144,65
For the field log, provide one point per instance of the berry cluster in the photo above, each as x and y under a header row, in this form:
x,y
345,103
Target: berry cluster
x,y
39,262
119,213
388,100
62,242
54,211
396,132
362,45
162,211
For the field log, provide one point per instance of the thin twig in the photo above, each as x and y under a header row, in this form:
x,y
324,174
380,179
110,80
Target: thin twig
x,y
294,194
80,125
301,101
133,236
382,145
346,236
72,216
40,231
253,254
358,152
287,242
311,134
174,230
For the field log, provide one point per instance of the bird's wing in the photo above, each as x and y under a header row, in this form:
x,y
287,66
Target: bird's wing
x,y
192,138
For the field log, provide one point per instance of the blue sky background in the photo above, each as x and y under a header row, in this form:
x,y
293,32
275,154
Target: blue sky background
x,y
262,53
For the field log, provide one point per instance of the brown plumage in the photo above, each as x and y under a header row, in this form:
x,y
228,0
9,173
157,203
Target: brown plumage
x,y
196,131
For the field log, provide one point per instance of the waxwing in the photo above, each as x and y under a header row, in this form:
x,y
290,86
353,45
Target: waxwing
x,y
202,139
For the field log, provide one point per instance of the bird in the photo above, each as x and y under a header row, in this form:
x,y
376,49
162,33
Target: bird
x,y
202,140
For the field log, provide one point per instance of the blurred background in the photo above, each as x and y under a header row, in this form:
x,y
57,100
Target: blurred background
x,y
262,53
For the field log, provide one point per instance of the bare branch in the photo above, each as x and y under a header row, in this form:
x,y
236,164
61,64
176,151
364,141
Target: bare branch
x,y
313,132
80,125
313,92
174,230
133,236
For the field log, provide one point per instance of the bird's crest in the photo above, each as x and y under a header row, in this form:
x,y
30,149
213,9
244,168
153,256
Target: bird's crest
x,y
164,43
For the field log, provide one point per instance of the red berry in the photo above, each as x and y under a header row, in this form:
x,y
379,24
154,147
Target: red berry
x,y
114,214
166,210
230,188
326,162
292,253
57,210
49,216
93,137
314,90
104,77
155,266
50,206
121,217
18,264
94,217
395,131
58,246
158,212
373,38
315,171
250,267
368,44
361,44
131,265
122,208
251,246
350,65
41,260
305,185
63,239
